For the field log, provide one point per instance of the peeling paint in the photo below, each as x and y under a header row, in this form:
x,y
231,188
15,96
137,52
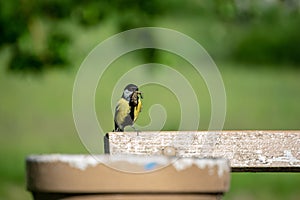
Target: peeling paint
x,y
222,165
288,157
82,162
77,161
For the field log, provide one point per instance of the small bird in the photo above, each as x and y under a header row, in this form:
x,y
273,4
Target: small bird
x,y
128,108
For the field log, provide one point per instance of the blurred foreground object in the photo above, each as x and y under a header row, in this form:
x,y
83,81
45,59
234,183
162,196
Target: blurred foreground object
x,y
126,177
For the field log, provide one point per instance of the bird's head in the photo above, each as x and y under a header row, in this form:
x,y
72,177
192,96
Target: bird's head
x,y
129,90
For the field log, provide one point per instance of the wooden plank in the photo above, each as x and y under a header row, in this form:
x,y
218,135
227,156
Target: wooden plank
x,y
270,151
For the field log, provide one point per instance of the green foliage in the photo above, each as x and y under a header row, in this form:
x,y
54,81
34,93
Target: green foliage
x,y
28,21
271,37
34,45
256,31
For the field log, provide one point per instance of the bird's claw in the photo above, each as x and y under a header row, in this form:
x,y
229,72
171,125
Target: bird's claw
x,y
137,131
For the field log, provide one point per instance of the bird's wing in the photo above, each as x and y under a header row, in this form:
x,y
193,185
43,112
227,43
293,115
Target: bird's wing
x,y
122,110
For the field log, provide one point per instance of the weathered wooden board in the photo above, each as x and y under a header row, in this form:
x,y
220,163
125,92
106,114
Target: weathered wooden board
x,y
276,151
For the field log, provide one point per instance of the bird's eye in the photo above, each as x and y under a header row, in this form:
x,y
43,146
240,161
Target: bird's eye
x,y
127,93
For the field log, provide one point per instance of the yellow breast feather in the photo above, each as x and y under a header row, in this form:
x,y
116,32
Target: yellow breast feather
x,y
137,110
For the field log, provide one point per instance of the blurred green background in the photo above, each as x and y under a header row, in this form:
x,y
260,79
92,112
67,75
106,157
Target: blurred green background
x,y
255,44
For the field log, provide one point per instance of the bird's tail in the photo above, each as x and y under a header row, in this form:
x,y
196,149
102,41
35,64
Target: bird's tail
x,y
117,128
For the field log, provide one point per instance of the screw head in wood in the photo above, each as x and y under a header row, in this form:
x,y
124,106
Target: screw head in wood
x,y
169,151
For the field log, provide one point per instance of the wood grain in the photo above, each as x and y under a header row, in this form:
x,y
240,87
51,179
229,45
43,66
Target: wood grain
x,y
270,151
